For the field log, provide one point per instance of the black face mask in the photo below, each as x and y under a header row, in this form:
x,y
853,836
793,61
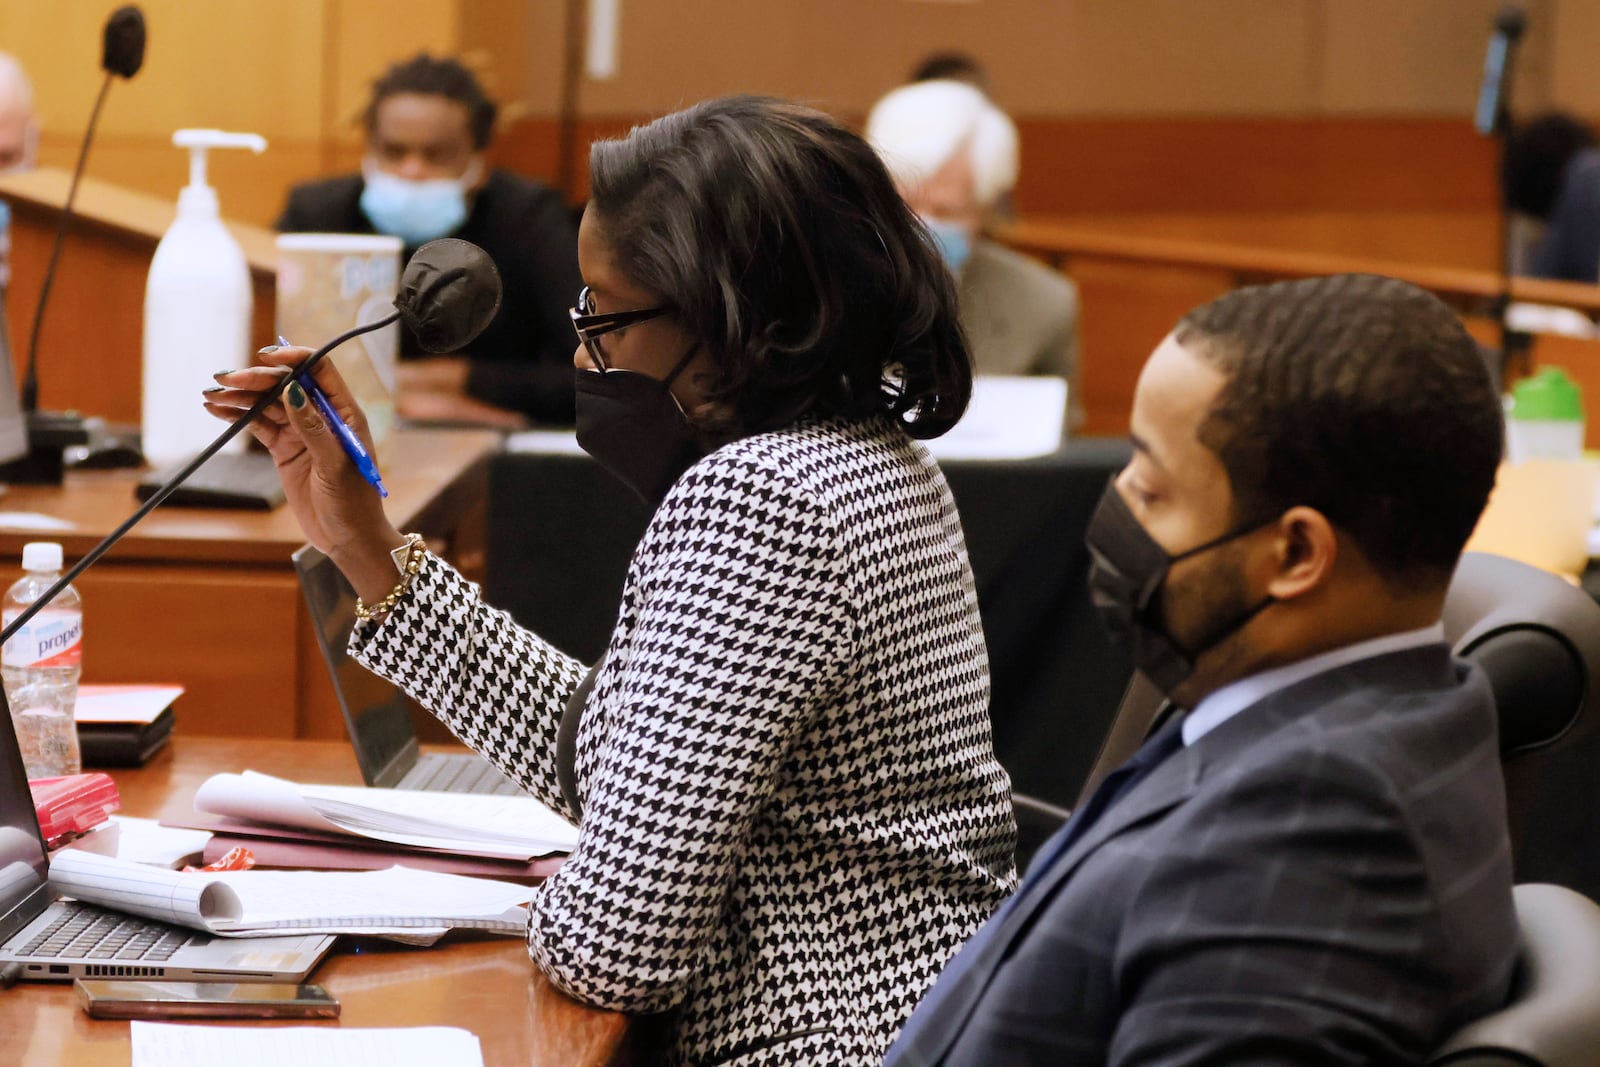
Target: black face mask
x,y
1126,573
631,424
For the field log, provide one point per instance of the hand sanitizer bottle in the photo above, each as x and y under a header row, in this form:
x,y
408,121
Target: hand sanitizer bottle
x,y
197,305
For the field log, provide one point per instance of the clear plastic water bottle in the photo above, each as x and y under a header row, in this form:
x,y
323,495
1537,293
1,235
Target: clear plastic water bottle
x,y
40,665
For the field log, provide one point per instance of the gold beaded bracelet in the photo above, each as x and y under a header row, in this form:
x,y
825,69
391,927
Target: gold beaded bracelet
x,y
408,561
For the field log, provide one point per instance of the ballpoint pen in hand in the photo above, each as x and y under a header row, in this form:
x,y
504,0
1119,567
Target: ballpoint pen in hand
x,y
347,437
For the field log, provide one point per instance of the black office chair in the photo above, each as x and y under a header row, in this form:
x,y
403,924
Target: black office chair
x,y
1550,1020
1537,638
1037,821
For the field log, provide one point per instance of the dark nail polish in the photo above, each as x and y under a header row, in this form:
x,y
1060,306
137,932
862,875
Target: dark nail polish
x,y
297,395
214,389
225,373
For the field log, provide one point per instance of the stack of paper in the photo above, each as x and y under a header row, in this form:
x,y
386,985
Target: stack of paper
x,y
172,1045
402,904
510,827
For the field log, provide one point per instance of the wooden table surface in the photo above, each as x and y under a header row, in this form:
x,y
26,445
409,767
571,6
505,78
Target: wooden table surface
x,y
485,985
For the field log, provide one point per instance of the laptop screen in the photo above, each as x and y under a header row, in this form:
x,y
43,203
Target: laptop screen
x,y
24,865
376,712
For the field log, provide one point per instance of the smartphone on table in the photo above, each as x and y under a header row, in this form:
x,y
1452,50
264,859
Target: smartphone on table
x,y
123,999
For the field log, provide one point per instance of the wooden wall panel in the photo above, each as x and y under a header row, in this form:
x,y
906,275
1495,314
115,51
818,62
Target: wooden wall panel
x,y
1238,164
1097,166
1424,56
1127,310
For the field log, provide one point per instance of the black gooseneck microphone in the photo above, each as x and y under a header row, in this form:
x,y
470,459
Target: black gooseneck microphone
x,y
121,56
449,292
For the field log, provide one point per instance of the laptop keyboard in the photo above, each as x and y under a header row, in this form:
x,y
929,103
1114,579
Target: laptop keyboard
x,y
441,773
83,932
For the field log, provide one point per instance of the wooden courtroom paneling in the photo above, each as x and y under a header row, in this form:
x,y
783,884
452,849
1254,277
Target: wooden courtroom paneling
x,y
1127,310
228,634
297,72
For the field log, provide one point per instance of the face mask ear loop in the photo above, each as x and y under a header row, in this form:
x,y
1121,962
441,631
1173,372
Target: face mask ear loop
x,y
688,357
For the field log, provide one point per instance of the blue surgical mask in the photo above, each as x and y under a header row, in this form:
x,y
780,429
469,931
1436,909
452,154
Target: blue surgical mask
x,y
416,211
955,243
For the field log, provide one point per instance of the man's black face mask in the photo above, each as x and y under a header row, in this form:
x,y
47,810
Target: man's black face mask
x,y
1126,574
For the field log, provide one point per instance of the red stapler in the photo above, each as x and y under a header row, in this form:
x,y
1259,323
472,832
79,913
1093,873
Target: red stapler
x,y
73,804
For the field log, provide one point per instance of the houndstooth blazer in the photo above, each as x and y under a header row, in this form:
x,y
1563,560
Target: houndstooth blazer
x,y
793,815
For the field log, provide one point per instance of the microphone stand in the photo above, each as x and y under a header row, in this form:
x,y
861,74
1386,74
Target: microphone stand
x,y
1495,120
51,432
229,433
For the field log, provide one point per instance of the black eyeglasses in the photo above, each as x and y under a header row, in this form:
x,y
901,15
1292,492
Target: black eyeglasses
x,y
591,327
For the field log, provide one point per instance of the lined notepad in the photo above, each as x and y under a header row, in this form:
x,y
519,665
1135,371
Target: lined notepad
x,y
411,905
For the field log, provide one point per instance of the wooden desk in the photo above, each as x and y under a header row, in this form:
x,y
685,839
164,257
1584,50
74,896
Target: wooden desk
x,y
486,985
209,597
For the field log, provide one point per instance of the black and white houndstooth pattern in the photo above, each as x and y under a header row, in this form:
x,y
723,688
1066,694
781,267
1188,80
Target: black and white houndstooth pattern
x,y
793,812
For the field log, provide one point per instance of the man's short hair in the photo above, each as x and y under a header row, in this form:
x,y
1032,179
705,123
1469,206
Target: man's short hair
x,y
951,66
918,128
1363,397
427,75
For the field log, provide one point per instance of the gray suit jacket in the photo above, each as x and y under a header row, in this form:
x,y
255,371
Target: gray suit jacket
x,y
1323,879
1021,317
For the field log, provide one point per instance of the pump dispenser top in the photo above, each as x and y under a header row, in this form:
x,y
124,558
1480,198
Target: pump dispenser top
x,y
197,195
197,307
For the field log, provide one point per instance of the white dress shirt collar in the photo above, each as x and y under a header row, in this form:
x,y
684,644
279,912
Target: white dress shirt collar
x,y
1223,704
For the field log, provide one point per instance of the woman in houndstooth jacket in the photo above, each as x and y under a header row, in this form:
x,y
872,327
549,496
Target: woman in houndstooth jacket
x,y
792,814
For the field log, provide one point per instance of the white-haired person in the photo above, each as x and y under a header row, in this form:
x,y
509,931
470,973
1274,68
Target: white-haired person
x,y
953,155
19,129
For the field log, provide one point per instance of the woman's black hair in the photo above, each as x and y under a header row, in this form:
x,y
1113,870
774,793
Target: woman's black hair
x,y
780,242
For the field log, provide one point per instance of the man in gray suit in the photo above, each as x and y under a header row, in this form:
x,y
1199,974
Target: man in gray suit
x,y
953,156
1309,863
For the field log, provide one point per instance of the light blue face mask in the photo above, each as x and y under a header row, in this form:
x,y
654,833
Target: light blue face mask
x,y
955,243
416,211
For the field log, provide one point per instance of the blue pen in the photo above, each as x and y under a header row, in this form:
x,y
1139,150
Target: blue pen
x,y
347,437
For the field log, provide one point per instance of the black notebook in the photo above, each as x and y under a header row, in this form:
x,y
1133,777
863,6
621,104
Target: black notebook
x,y
123,744
245,480
124,725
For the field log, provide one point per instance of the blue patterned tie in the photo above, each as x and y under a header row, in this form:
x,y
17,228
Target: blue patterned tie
x,y
1112,788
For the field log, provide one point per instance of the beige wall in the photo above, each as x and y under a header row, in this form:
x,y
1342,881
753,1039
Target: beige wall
x,y
1082,57
297,71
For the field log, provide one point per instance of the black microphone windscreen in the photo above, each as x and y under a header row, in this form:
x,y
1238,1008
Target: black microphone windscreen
x,y
449,292
1511,21
123,51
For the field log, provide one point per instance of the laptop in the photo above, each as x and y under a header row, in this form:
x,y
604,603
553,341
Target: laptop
x,y
61,940
376,712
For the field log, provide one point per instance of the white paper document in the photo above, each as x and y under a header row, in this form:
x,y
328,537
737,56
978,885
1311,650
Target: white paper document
x,y
123,703
420,905
1007,418
185,1044
515,827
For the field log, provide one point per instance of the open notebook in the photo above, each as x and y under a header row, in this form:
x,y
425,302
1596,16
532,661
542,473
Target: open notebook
x,y
376,712
62,940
